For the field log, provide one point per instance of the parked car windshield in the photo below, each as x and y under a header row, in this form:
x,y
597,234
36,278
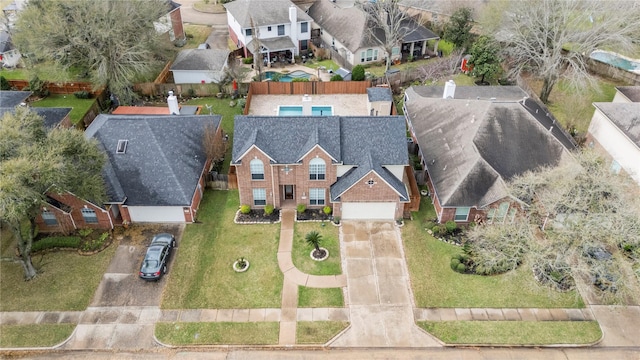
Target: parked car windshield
x,y
150,264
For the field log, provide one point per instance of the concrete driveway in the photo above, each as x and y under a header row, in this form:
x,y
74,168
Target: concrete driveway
x,y
125,308
378,293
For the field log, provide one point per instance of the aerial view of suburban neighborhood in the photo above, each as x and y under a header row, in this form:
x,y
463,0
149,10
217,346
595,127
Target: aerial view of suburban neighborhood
x,y
311,179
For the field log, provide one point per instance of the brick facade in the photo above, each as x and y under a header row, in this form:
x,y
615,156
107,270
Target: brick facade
x,y
177,25
380,191
72,218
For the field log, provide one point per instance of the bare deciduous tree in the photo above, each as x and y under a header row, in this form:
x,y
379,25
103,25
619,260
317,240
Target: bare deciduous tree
x,y
439,68
214,144
553,38
114,42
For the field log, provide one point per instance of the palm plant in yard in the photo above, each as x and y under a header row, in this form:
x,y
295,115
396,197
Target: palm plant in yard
x,y
314,239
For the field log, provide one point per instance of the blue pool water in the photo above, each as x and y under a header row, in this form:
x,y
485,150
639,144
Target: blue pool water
x,y
289,110
294,110
298,74
322,110
616,60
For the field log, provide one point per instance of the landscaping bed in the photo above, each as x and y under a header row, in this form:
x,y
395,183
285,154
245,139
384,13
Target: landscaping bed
x,y
312,215
258,216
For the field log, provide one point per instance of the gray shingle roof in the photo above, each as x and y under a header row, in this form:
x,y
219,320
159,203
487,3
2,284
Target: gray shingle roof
x,y
263,12
13,98
379,94
500,93
626,116
631,92
163,160
333,20
472,147
200,59
367,143
5,42
52,116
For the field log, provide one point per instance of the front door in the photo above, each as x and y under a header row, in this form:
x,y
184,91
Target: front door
x,y
288,192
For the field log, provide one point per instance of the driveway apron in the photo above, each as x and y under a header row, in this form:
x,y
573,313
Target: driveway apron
x,y
378,293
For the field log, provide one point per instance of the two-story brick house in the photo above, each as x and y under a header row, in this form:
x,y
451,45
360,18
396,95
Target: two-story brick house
x,y
356,165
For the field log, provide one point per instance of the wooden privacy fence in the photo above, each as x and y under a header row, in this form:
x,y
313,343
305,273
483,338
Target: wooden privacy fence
x,y
217,181
59,88
310,87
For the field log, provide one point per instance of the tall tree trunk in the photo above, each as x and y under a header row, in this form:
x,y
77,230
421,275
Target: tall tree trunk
x,y
547,86
24,246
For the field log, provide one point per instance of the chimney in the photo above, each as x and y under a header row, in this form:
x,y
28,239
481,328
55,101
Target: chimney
x,y
172,100
293,17
449,90
306,105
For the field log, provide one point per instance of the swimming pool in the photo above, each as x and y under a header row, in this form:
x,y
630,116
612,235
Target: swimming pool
x,y
288,77
616,60
295,110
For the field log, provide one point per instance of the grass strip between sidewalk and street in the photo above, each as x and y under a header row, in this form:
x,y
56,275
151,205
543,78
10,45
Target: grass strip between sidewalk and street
x,y
514,332
319,298
301,252
34,335
318,332
218,333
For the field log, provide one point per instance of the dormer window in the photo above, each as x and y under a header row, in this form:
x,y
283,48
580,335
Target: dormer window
x,y
122,146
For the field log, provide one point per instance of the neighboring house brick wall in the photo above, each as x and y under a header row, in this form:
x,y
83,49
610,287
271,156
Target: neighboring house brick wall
x,y
64,222
76,204
176,24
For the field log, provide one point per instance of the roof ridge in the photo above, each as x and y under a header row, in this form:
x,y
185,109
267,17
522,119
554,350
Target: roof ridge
x,y
166,160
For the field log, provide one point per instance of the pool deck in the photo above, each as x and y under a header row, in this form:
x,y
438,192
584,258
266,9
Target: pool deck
x,y
343,105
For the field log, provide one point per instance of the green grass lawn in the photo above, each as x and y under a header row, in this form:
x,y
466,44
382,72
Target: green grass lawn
x,y
327,63
573,109
301,250
319,298
514,332
196,35
34,335
65,281
79,107
436,285
202,276
220,107
218,333
318,332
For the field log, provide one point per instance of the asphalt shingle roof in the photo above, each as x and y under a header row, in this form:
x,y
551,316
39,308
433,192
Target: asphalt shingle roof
x,y
631,92
163,161
379,94
626,116
200,59
472,147
51,116
263,12
13,98
367,143
332,19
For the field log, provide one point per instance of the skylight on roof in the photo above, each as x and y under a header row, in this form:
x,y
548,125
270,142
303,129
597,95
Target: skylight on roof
x,y
122,146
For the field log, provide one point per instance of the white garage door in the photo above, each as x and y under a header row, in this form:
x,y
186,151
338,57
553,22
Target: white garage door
x,y
368,211
156,214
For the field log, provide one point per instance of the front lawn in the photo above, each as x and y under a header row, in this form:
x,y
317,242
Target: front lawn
x,y
319,298
202,276
66,281
218,333
301,250
34,335
514,332
79,107
436,285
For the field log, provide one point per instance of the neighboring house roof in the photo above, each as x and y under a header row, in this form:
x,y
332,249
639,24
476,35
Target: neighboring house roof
x,y
332,19
200,60
271,44
254,13
379,94
625,116
416,32
173,5
473,146
630,92
52,116
366,143
163,159
13,98
5,42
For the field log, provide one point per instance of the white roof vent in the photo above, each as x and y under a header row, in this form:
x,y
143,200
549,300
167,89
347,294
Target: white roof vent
x,y
449,90
122,146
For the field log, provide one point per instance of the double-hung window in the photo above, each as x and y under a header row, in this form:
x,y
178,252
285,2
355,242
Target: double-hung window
x,y
462,213
304,27
89,216
49,218
257,169
316,196
280,30
259,196
317,169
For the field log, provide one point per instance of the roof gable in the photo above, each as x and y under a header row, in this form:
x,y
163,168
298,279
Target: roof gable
x,y
163,161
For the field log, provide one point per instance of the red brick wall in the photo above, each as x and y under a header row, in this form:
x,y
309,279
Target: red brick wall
x,y
275,177
176,23
76,204
197,195
65,224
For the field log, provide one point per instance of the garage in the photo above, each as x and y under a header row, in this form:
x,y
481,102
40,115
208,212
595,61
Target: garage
x,y
156,214
368,211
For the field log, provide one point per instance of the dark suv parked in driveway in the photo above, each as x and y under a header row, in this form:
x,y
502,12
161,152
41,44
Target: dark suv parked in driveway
x,y
155,261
